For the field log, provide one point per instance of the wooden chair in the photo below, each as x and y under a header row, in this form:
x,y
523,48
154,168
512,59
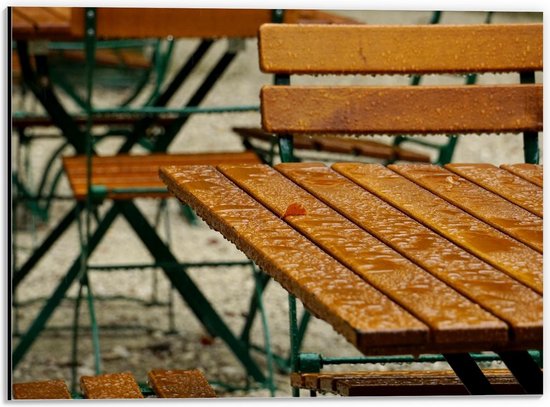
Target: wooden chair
x,y
385,198
402,110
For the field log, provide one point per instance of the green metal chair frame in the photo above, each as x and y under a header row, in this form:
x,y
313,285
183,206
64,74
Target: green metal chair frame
x,y
176,272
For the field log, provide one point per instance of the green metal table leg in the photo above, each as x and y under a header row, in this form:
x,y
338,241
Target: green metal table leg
x,y
188,290
257,274
53,302
293,339
63,225
260,284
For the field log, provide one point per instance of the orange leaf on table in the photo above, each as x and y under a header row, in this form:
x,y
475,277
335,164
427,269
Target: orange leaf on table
x,y
294,209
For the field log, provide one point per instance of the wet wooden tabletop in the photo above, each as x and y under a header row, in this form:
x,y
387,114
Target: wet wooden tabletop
x,y
411,258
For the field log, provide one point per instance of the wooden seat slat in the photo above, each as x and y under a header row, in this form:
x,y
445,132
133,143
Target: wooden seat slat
x,y
498,249
331,143
502,295
449,315
372,49
355,309
42,390
501,182
477,201
110,386
180,384
401,109
418,385
530,172
130,171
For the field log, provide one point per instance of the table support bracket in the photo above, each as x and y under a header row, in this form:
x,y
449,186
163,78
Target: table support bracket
x,y
469,373
525,370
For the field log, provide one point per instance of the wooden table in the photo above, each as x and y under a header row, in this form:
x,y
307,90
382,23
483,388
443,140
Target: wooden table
x,y
404,259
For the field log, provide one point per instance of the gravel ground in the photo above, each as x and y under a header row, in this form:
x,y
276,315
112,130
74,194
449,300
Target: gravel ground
x,y
138,350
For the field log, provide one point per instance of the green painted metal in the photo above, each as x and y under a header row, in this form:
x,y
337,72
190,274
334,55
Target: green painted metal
x,y
59,293
530,138
56,233
169,265
309,362
139,131
104,44
286,148
446,151
223,63
42,89
94,325
188,290
260,284
270,381
293,332
183,111
74,348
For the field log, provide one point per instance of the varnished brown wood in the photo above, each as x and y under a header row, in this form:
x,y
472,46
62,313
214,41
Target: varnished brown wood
x,y
330,291
401,109
40,23
181,22
502,295
450,316
400,382
421,385
42,390
501,182
137,171
494,247
372,49
530,172
335,144
110,386
189,22
477,201
180,384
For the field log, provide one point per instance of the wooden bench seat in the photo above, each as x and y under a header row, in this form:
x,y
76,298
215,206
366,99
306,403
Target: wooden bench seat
x,y
335,144
164,383
139,172
399,382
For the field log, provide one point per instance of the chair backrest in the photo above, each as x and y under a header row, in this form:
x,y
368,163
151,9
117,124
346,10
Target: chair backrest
x,y
422,49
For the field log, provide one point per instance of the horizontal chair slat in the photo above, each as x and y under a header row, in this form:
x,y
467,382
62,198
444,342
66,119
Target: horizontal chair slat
x,y
402,109
371,49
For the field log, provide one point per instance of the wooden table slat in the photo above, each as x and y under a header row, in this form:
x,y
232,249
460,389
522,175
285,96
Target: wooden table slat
x,y
20,25
505,297
477,201
513,188
530,172
44,22
498,249
450,316
329,290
